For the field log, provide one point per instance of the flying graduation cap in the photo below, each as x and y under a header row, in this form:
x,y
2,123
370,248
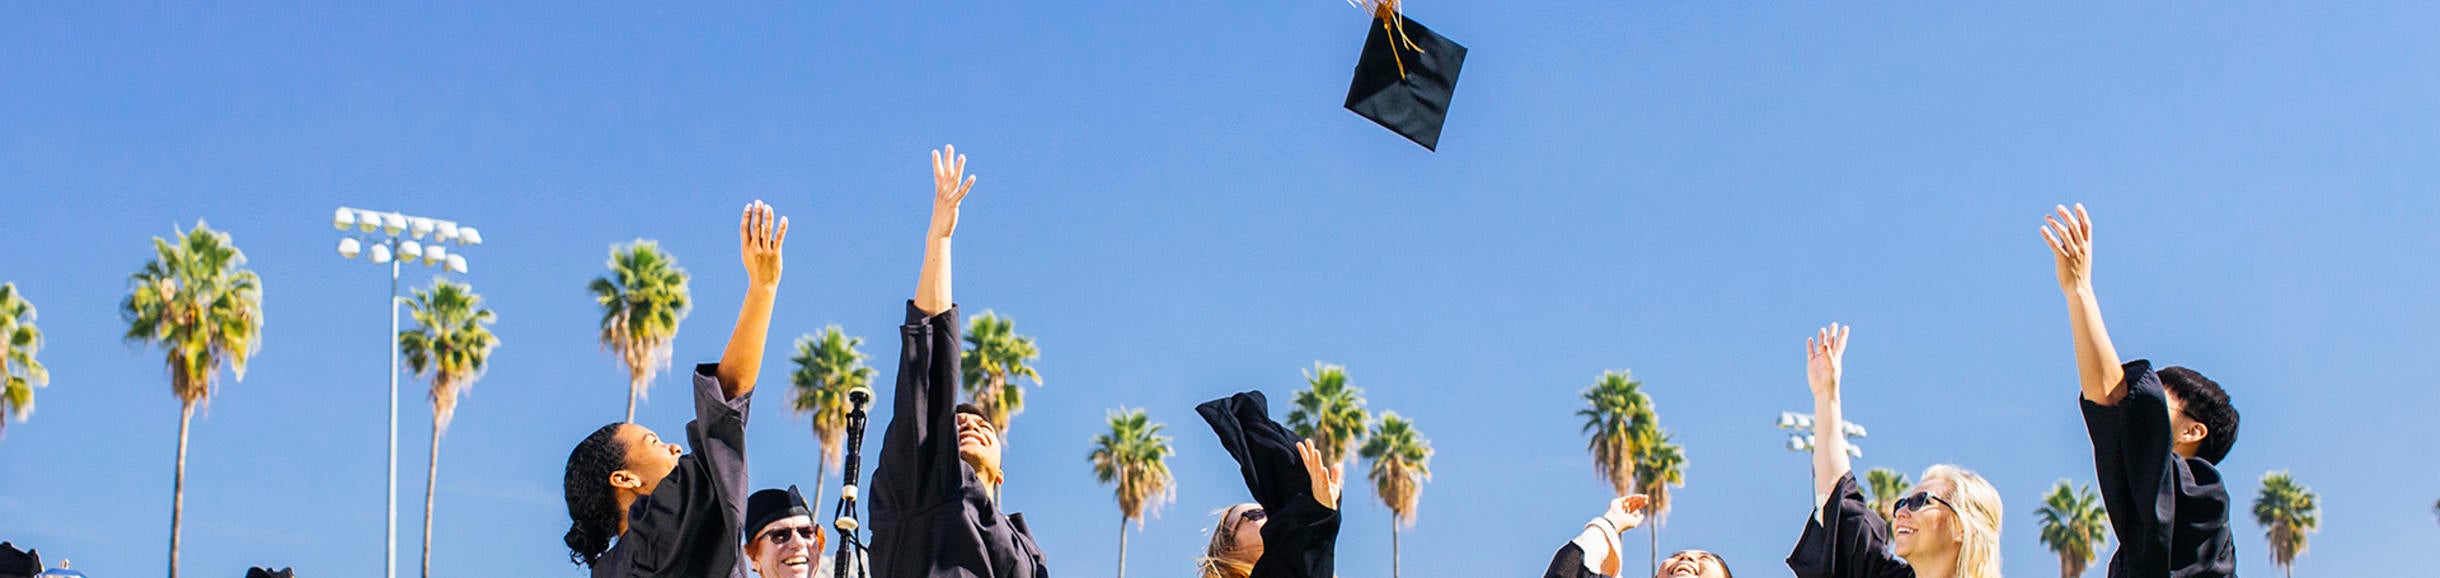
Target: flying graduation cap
x,y
1406,75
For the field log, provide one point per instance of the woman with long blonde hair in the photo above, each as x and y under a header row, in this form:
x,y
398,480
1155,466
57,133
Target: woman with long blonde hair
x,y
1291,529
1948,528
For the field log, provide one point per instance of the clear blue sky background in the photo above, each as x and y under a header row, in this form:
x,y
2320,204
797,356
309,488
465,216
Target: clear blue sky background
x,y
1172,200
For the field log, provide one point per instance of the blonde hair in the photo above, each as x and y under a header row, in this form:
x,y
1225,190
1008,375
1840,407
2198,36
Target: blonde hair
x,y
1978,510
1215,562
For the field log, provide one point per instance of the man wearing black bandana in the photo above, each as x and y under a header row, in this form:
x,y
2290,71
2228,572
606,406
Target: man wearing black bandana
x,y
782,540
935,492
2158,437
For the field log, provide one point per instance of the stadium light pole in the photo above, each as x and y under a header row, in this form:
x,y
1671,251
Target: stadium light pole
x,y
391,238
1802,439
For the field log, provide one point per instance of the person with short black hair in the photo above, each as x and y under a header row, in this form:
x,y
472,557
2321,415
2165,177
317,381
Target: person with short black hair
x,y
782,540
935,491
2158,435
640,506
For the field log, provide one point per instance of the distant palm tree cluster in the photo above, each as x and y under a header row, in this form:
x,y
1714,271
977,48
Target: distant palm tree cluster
x,y
200,308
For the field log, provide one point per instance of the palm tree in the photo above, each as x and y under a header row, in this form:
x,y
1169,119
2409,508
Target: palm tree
x,y
995,353
197,302
2074,525
1659,466
2287,511
1617,410
19,372
1134,457
642,300
1329,412
1886,485
1401,463
826,368
450,344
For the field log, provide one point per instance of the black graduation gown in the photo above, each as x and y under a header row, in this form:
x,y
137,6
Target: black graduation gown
x,y
931,517
2170,512
691,524
1846,540
1300,537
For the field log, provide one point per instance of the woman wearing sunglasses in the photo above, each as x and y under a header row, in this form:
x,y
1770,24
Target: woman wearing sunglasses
x,y
1292,528
1948,528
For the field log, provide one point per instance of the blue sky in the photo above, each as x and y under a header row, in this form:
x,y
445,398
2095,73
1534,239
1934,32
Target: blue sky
x,y
1173,202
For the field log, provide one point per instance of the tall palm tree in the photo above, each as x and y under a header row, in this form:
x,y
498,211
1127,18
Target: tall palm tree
x,y
1617,410
450,344
826,368
2074,525
1134,457
20,373
1329,412
197,302
1401,463
2287,511
995,354
642,299
1887,486
1660,465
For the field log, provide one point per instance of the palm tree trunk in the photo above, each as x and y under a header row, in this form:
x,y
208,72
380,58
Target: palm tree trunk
x,y
1122,547
1393,546
177,504
2067,568
821,472
635,387
1656,548
432,477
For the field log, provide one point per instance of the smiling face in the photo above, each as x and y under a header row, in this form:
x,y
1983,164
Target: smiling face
x,y
786,548
1931,528
979,444
648,460
1692,564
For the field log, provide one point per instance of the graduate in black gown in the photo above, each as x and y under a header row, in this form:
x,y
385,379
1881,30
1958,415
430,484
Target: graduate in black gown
x,y
935,493
639,505
2158,436
1948,528
1292,528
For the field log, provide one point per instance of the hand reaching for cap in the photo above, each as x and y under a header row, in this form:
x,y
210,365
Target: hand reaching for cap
x,y
1327,479
759,235
1824,360
2070,236
950,183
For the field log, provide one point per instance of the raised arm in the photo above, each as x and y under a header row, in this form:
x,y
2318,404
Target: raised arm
x,y
759,236
949,187
2070,236
1824,355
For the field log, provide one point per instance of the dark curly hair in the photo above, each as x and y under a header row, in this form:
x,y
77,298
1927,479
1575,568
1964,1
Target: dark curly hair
x,y
592,503
2205,403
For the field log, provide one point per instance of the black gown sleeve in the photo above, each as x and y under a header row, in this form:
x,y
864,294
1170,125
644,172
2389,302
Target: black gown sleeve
x,y
691,524
918,472
1300,539
1569,563
1847,540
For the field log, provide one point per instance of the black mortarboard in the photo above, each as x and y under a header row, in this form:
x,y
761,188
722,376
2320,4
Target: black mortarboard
x,y
772,505
1405,77
15,563
261,572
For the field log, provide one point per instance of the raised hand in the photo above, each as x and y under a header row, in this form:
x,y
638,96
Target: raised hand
x,y
950,183
2070,236
1824,355
1327,479
759,236
1628,512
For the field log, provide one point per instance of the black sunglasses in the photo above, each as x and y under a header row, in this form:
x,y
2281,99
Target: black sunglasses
x,y
781,535
1253,515
1918,500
